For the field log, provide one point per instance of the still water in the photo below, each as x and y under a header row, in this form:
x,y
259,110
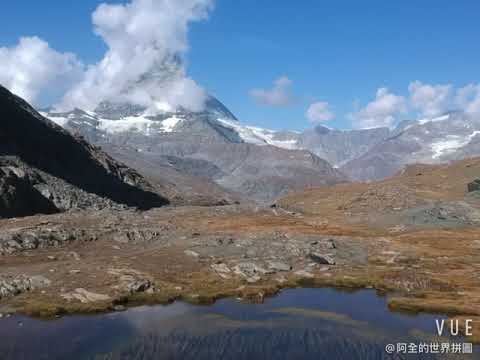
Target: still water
x,y
296,324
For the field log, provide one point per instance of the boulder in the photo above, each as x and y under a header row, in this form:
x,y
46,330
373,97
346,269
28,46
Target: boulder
x,y
12,286
85,296
474,185
139,286
249,270
321,258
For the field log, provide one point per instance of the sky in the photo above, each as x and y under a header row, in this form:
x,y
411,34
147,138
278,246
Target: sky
x,y
276,64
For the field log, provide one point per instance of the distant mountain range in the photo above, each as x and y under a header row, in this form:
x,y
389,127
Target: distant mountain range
x,y
453,136
211,146
264,164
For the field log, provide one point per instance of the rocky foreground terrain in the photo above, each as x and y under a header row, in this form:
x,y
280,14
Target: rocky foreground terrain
x,y
82,232
414,236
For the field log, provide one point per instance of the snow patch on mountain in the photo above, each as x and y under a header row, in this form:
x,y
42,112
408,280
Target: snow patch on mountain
x,y
137,123
450,144
259,136
446,146
170,123
437,119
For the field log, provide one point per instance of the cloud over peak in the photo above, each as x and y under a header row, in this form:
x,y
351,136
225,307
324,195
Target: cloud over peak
x,y
143,65
380,112
319,112
468,98
430,100
146,40
280,95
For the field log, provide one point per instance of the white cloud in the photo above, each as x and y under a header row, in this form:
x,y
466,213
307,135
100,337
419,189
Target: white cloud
x,y
279,96
32,69
431,100
145,39
319,112
468,98
383,111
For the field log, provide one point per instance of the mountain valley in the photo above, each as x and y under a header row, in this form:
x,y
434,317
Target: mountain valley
x,y
225,214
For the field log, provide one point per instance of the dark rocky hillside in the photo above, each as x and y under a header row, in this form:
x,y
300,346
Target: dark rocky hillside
x,y
66,170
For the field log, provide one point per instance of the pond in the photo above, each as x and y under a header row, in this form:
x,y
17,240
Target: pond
x,y
296,324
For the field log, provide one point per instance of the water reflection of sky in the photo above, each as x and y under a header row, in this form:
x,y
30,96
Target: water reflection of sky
x,y
305,322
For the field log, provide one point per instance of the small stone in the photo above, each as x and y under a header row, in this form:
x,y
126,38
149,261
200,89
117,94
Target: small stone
x,y
116,247
74,255
74,272
331,244
221,268
39,281
254,279
119,308
304,274
53,258
191,253
279,266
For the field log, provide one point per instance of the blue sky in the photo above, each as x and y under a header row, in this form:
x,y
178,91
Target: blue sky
x,y
340,52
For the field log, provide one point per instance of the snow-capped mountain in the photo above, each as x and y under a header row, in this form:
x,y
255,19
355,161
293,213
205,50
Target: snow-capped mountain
x,y
367,154
111,122
452,136
116,119
212,145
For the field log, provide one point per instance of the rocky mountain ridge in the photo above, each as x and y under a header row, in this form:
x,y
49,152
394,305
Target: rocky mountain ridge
x,y
365,154
46,169
211,146
453,136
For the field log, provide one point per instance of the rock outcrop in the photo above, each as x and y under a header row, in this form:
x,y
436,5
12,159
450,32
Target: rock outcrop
x,y
19,198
